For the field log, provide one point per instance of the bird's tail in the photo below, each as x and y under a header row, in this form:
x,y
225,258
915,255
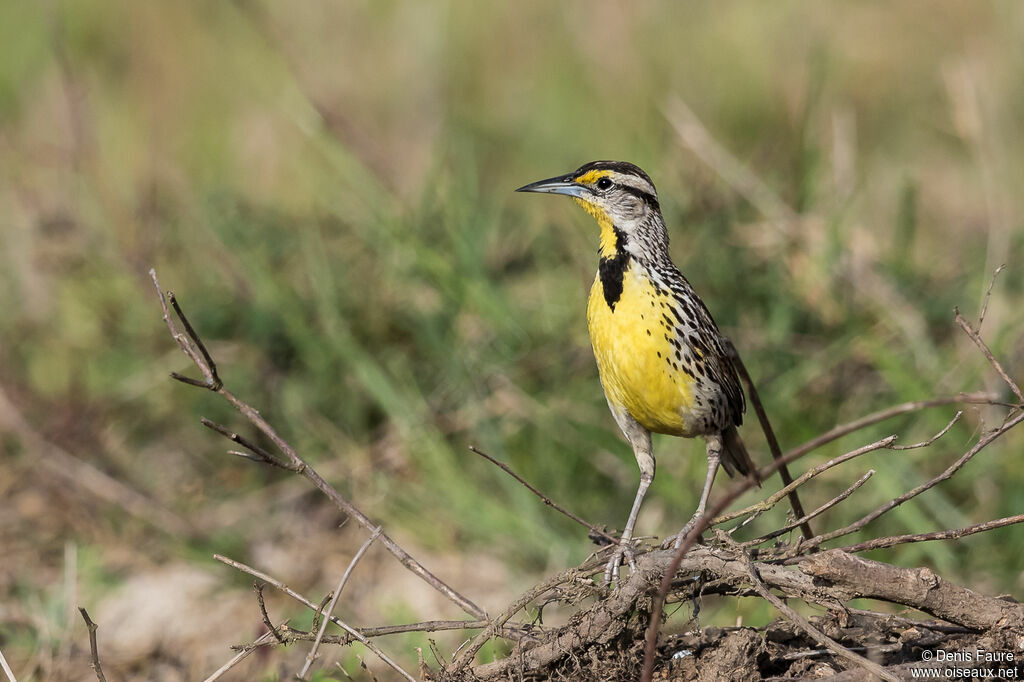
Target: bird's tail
x,y
735,456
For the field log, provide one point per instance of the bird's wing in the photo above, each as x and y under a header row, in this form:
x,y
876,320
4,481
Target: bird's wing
x,y
697,329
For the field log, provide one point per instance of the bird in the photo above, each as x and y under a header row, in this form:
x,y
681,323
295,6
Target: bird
x,y
663,363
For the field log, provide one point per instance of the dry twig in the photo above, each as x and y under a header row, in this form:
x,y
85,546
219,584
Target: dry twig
x,y
838,432
980,343
193,347
265,638
952,534
803,546
767,503
6,668
354,633
334,601
820,510
94,650
594,530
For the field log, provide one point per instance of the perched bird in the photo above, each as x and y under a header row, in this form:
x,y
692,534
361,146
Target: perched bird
x,y
663,363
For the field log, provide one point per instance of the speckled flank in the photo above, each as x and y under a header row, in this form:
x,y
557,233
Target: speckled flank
x,y
651,361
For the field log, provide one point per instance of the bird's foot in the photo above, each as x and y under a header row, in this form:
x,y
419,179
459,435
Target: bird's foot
x,y
611,569
675,541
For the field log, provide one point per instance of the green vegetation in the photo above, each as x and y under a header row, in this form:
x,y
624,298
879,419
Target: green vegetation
x,y
328,189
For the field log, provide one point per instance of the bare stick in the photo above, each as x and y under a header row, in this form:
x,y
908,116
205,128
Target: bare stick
x,y
183,341
911,622
204,362
926,443
293,635
301,599
801,547
6,668
261,455
801,622
988,295
265,638
976,338
757,508
952,534
428,626
769,435
216,382
767,503
820,510
93,647
334,601
257,586
888,413
425,626
594,530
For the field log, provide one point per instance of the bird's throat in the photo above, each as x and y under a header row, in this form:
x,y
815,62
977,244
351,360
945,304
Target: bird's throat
x,y
613,254
612,266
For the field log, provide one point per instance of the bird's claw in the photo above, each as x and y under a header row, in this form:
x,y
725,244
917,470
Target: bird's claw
x,y
611,569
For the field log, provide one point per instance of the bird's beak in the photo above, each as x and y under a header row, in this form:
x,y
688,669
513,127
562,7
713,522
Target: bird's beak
x,y
563,184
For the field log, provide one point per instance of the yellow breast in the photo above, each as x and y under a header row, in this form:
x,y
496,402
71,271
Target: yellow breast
x,y
634,355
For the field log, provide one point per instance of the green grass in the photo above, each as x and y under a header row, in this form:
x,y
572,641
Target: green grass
x,y
328,191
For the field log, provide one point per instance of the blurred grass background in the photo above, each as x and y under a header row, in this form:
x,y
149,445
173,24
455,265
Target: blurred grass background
x,y
327,188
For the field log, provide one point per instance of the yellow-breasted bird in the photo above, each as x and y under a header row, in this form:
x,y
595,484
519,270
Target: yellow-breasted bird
x,y
663,363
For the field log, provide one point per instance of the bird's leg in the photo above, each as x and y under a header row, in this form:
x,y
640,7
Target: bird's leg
x,y
640,439
611,570
714,458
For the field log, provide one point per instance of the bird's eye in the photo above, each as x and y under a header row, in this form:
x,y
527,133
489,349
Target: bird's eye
x,y
604,183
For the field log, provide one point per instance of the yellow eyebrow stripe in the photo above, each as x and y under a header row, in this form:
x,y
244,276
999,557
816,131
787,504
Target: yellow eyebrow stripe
x,y
591,177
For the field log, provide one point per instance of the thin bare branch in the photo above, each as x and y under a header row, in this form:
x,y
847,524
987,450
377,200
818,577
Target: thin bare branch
x,y
594,530
257,586
263,639
973,335
6,668
301,599
216,382
767,503
334,601
952,534
183,341
798,620
298,464
988,295
802,547
94,650
890,412
926,443
820,510
261,455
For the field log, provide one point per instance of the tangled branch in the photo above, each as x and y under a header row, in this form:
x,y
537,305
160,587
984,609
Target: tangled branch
x,y
628,619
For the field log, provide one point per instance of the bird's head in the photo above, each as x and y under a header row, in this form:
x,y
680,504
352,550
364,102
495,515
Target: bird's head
x,y
618,194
